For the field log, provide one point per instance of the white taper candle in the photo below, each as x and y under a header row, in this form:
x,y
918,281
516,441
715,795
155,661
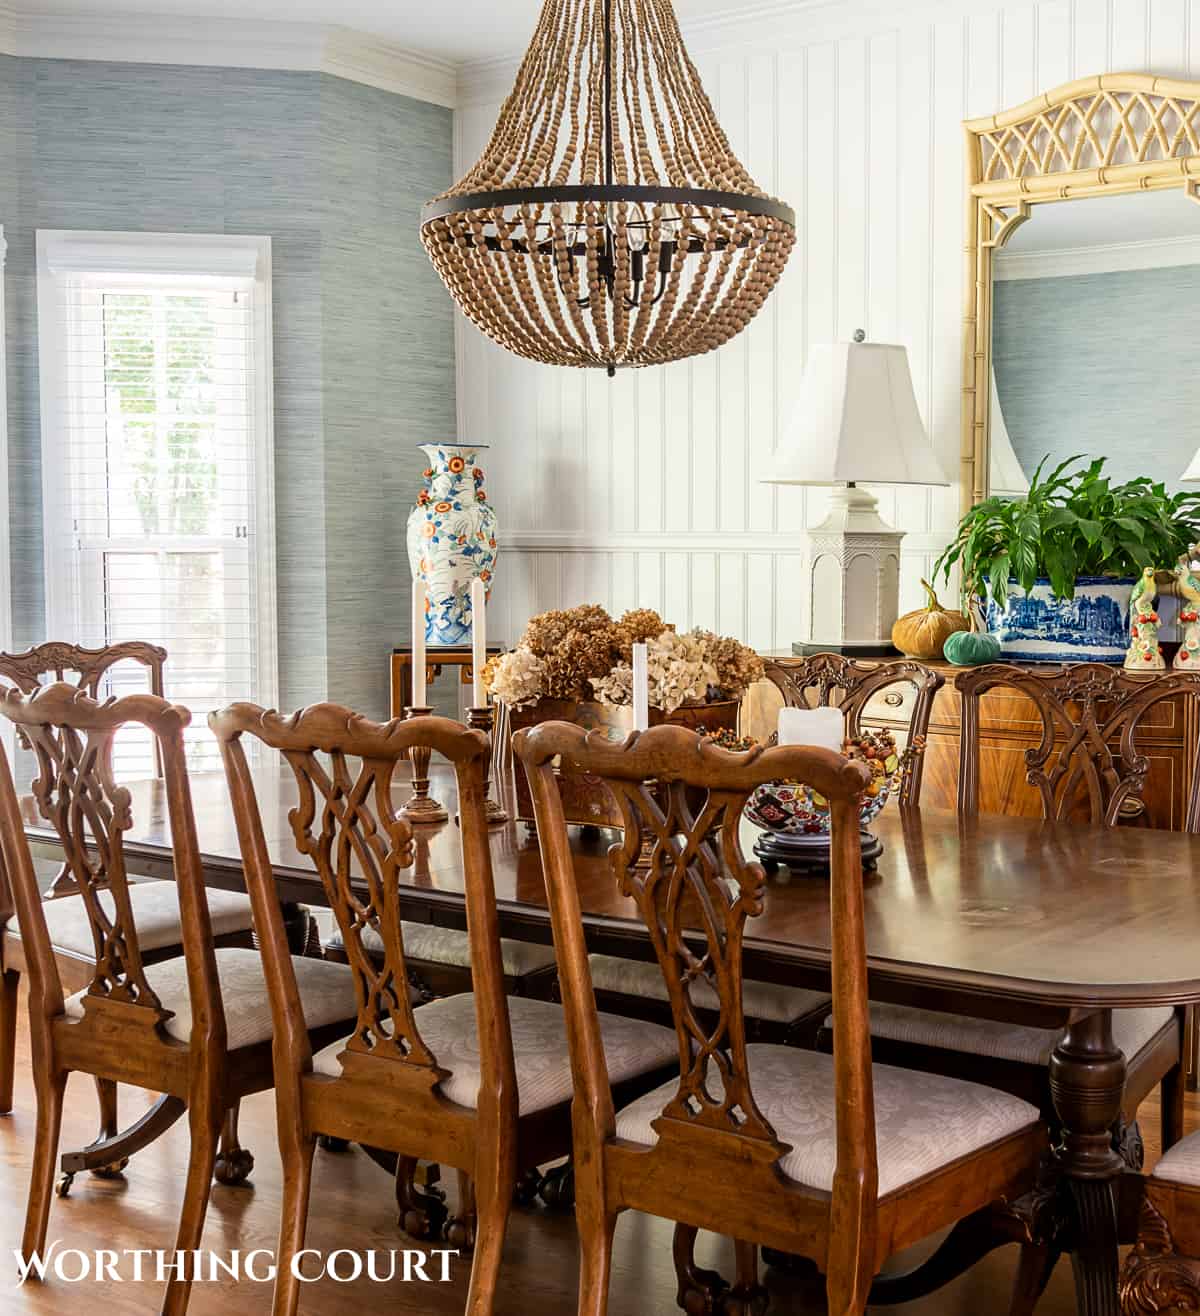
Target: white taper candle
x,y
478,640
641,688
418,642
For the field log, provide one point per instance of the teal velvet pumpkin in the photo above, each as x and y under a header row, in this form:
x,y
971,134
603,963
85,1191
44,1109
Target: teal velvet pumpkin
x,y
970,648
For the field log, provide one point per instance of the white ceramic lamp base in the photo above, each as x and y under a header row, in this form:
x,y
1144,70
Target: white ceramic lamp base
x,y
851,573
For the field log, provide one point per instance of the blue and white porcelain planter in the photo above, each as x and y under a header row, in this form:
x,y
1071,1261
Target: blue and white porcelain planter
x,y
451,539
1093,627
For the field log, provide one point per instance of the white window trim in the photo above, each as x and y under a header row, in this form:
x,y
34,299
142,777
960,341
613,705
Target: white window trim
x,y
62,251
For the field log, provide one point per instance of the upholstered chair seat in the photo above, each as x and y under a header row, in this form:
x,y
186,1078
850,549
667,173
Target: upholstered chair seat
x,y
327,995
760,1000
447,946
1182,1163
155,912
923,1122
632,1048
1132,1030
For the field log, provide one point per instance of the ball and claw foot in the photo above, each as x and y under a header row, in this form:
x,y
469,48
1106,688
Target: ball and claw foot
x,y
460,1233
423,1210
233,1167
525,1193
115,1170
702,1293
558,1187
63,1187
745,1301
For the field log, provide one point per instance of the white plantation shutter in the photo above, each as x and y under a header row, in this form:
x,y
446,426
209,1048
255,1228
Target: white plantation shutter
x,y
156,386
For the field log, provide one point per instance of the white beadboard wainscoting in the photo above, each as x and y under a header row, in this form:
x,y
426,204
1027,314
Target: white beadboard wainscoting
x,y
645,489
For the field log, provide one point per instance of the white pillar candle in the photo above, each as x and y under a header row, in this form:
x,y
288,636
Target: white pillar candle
x,y
478,640
418,642
641,688
824,727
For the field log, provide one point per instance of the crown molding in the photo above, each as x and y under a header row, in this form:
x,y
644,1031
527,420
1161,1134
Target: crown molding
x,y
1104,258
230,43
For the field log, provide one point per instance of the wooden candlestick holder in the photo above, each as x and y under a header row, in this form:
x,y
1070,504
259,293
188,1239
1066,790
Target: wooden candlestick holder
x,y
483,719
422,807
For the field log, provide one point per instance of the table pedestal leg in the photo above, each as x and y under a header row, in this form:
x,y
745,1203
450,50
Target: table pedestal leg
x,y
1087,1081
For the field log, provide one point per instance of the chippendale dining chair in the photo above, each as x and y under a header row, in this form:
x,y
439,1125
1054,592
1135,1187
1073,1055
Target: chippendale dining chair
x,y
776,1013
155,904
830,1157
1086,765
477,1081
196,1028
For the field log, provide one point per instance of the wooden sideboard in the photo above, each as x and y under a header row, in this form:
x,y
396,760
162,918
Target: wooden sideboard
x,y
1169,737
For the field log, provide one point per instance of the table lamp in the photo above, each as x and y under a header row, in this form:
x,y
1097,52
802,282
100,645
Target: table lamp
x,y
856,419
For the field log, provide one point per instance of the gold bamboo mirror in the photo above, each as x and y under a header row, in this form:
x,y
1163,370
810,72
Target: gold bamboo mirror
x,y
1083,283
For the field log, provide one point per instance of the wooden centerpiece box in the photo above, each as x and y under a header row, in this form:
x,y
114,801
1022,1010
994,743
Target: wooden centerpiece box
x,y
586,799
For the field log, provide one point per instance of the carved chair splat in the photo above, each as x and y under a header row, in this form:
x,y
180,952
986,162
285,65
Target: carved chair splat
x,y
793,1130
440,1082
163,1026
775,1013
830,679
88,669
1086,759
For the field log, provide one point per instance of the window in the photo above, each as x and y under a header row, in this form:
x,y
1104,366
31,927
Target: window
x,y
156,377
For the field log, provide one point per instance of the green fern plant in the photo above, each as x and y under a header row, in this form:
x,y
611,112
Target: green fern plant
x,y
1071,523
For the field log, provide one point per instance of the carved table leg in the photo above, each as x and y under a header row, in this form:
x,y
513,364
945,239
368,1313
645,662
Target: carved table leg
x,y
422,1213
106,1092
1087,1081
234,1162
460,1227
699,1291
1155,1276
747,1297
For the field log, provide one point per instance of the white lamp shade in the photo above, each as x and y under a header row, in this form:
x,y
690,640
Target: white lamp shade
x,y
1005,476
856,420
1192,474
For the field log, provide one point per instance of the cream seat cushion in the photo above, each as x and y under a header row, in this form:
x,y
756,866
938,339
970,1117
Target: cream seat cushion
x,y
1132,1029
155,915
539,1034
923,1121
423,941
1182,1162
760,1000
326,994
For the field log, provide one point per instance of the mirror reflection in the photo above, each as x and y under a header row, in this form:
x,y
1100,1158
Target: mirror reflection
x,y
1095,319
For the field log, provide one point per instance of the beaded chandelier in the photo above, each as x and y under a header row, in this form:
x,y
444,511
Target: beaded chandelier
x,y
607,222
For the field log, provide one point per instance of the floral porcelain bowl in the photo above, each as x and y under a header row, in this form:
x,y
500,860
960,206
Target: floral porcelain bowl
x,y
790,808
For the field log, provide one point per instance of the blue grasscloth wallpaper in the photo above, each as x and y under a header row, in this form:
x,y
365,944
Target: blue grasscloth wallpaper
x,y
1102,364
335,173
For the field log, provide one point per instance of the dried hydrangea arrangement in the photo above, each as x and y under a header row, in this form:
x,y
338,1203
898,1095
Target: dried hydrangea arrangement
x,y
582,653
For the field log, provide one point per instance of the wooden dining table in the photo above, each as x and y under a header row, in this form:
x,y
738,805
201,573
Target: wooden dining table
x,y
1042,924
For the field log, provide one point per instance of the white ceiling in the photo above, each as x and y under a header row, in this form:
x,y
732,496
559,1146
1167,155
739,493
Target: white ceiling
x,y
479,30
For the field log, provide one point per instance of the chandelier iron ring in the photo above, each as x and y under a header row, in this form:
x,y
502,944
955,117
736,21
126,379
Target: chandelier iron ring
x,y
639,194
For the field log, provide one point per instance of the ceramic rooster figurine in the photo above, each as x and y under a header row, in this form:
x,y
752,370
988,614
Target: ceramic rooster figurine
x,y
1189,610
1144,653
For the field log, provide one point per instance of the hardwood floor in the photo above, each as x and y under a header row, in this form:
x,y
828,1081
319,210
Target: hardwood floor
x,y
352,1207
